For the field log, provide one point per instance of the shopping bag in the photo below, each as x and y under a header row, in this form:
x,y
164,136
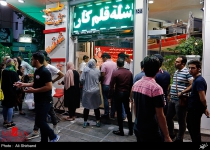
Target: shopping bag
x,y
29,100
1,95
53,91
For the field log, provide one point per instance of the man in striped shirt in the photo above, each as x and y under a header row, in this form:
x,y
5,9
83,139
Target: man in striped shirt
x,y
181,85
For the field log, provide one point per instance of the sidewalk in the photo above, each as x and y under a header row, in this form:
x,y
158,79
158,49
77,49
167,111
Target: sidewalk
x,y
73,131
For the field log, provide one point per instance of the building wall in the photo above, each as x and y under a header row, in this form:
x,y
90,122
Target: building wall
x,y
205,122
6,22
17,26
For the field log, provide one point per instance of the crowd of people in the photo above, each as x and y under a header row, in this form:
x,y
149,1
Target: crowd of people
x,y
155,99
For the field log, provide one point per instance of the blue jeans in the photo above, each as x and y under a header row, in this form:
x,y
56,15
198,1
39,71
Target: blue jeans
x,y
41,110
175,109
7,113
113,109
105,92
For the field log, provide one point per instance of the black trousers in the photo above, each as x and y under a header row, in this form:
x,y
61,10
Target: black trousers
x,y
53,118
72,110
123,98
193,124
86,113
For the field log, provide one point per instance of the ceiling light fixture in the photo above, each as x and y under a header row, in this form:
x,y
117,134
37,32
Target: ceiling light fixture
x,y
21,1
3,2
151,1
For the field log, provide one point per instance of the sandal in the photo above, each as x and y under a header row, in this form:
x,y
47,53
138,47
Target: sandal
x,y
69,119
22,113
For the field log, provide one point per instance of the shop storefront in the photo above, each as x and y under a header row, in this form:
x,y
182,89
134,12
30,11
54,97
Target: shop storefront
x,y
103,27
93,27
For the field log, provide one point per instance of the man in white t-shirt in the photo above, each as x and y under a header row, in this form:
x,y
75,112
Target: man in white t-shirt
x,y
128,63
83,64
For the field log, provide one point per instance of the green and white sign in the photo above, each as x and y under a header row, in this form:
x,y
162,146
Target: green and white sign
x,y
103,16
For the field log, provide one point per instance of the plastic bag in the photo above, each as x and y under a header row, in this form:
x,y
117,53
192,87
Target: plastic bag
x,y
29,100
53,90
1,95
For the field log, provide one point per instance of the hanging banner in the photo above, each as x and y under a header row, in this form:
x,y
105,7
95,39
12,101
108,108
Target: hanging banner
x,y
112,51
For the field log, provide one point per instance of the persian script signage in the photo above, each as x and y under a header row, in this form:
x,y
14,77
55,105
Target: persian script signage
x,y
104,16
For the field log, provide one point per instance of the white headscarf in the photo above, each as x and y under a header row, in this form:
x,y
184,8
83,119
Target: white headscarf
x,y
90,65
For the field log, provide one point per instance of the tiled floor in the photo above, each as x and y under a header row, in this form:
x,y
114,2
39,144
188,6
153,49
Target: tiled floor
x,y
73,131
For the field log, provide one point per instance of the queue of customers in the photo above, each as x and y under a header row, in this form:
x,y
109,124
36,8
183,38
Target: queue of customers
x,y
155,101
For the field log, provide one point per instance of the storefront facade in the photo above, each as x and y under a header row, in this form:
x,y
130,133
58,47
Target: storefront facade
x,y
93,28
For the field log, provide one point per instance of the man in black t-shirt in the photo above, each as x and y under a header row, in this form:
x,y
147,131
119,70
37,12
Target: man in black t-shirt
x,y
42,89
197,104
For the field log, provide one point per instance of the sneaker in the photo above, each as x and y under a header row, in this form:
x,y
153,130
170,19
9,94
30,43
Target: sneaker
x,y
32,135
173,137
56,139
13,123
112,118
105,116
85,124
9,126
56,131
178,140
98,124
4,124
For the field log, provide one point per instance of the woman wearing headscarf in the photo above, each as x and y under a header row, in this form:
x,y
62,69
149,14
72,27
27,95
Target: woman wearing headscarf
x,y
91,93
9,77
71,90
19,91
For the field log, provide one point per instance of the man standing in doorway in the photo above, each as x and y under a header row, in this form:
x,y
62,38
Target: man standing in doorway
x,y
128,63
83,63
181,85
107,69
197,104
42,89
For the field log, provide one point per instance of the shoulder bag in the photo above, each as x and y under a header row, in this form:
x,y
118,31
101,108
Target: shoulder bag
x,y
183,99
1,92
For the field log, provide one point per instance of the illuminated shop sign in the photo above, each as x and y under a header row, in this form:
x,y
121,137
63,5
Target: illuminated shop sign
x,y
25,38
103,16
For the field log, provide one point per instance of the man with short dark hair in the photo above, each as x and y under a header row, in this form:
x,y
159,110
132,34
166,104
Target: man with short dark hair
x,y
128,63
54,71
42,89
163,79
83,64
107,69
197,104
141,74
148,105
181,85
120,87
